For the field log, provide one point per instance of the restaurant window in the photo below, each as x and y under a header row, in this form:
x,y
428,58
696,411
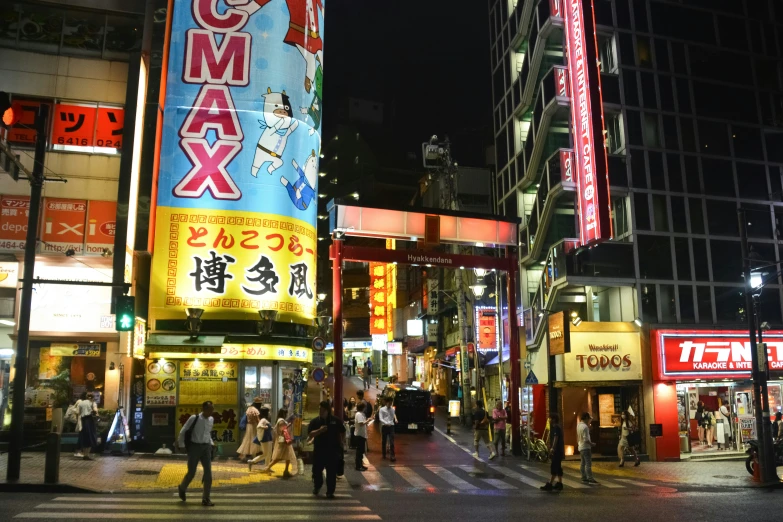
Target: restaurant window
x,y
607,54
704,299
668,304
615,144
683,258
655,257
726,261
696,212
729,304
685,295
722,218
701,269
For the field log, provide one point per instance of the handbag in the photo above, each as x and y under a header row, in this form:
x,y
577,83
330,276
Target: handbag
x,y
287,438
243,422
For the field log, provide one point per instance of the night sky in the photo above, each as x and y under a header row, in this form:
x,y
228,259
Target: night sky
x,y
426,60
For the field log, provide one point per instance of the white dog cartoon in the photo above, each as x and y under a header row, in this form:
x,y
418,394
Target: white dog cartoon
x,y
277,125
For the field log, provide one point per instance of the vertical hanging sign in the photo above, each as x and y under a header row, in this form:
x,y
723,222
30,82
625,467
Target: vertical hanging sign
x,y
377,298
595,223
235,215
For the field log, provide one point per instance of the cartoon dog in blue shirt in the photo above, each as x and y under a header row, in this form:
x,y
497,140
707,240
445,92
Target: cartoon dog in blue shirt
x,y
302,191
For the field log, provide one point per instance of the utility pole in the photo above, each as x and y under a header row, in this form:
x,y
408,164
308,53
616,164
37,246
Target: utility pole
x,y
462,313
23,335
760,397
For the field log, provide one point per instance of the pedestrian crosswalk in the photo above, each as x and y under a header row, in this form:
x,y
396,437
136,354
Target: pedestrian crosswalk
x,y
228,506
473,478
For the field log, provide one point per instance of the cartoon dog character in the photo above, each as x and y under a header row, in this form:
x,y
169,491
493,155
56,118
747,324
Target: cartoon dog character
x,y
302,191
277,125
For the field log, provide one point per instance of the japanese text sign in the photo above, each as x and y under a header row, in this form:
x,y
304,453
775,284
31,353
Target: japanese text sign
x,y
706,354
225,422
587,122
161,383
109,126
238,169
63,225
14,213
378,314
74,125
208,370
487,330
101,226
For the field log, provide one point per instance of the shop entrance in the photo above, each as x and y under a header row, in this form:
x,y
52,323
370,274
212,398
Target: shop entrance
x,y
272,382
731,405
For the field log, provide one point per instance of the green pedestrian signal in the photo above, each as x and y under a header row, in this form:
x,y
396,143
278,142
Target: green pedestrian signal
x,y
125,313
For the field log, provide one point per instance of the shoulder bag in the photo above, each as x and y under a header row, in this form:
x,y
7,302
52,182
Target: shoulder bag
x,y
189,433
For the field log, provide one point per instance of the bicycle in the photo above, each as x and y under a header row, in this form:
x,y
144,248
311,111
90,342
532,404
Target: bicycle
x,y
534,447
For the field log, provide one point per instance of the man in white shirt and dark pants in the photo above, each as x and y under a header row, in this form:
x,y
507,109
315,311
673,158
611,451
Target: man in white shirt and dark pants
x,y
585,449
199,446
388,420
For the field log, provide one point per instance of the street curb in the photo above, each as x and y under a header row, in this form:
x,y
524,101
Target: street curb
x,y
42,488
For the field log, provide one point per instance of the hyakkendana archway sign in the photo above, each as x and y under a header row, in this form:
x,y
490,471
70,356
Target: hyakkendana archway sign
x,y
422,226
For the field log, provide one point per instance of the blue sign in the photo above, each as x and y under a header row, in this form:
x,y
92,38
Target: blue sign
x,y
531,378
319,375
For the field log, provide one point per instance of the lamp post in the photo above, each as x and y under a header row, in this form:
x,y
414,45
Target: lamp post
x,y
768,470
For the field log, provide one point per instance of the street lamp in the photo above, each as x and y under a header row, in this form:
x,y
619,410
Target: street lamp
x,y
268,318
478,289
480,272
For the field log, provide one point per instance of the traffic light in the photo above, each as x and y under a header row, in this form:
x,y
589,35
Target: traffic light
x,y
10,112
125,313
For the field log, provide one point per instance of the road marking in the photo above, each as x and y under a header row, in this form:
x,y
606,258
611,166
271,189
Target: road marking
x,y
192,506
375,480
605,483
466,450
280,499
499,484
635,483
452,479
85,515
412,478
569,483
517,476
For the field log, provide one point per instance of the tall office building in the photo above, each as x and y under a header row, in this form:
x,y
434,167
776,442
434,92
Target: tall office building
x,y
628,134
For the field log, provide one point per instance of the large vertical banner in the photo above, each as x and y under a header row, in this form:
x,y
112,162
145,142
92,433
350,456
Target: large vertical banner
x,y
235,228
587,121
378,313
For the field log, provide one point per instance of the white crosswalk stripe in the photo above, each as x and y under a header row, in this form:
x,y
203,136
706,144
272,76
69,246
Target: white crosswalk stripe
x,y
451,478
475,478
546,475
229,506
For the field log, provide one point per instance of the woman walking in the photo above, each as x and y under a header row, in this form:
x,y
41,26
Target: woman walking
x,y
700,421
88,436
284,448
263,438
624,447
249,449
499,417
361,436
350,414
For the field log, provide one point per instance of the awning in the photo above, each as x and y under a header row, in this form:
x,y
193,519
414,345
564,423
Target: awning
x,y
496,359
183,342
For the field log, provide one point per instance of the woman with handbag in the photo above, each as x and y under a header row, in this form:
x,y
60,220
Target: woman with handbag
x,y
88,415
263,438
284,445
249,449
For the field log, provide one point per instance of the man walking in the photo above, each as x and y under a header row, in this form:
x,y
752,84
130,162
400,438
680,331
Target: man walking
x,y
585,449
327,433
196,436
366,375
353,366
388,419
557,452
480,429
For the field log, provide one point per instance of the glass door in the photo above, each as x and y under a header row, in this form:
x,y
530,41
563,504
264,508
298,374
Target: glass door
x,y
258,382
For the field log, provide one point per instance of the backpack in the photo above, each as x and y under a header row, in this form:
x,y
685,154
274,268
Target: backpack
x,y
72,414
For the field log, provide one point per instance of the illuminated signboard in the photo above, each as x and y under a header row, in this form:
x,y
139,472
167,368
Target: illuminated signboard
x,y
587,121
235,216
684,354
378,313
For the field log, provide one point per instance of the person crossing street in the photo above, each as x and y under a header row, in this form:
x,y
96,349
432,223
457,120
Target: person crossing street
x,y
196,436
327,434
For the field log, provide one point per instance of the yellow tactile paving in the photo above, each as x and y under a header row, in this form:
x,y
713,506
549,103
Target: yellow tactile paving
x,y
170,476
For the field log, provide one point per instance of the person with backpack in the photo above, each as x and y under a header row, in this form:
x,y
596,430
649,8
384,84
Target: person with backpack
x,y
263,438
284,445
196,437
480,429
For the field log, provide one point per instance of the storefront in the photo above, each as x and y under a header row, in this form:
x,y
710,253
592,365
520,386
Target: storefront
x,y
179,378
600,372
713,368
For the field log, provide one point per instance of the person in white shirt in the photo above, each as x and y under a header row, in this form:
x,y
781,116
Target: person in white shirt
x,y
388,419
585,448
360,432
87,412
199,447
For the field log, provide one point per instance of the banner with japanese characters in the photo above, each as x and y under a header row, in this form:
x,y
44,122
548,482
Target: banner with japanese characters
x,y
226,421
236,208
378,298
14,214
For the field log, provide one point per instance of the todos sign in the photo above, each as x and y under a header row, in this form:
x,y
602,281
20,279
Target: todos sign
x,y
235,227
711,354
603,356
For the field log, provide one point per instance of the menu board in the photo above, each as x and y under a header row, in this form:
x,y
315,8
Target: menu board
x,y
225,417
161,383
606,409
208,381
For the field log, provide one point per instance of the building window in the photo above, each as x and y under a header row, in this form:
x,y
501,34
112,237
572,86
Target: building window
x,y
521,129
615,144
607,54
620,218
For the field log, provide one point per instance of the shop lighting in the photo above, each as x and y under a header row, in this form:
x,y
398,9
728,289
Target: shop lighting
x,y
6,352
322,296
637,322
478,289
268,318
480,272
576,321
574,314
